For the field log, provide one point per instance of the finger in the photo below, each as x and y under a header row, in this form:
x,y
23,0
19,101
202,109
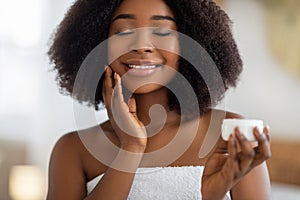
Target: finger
x,y
132,104
232,148
132,109
247,153
107,88
105,67
118,93
108,80
119,104
263,151
266,131
231,167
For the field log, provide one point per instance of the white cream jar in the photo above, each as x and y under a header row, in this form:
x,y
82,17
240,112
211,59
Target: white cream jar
x,y
246,127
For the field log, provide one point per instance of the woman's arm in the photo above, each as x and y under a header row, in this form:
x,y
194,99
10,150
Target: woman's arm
x,y
66,173
67,178
117,180
255,185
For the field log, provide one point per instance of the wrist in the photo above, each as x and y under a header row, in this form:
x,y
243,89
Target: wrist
x,y
135,148
127,160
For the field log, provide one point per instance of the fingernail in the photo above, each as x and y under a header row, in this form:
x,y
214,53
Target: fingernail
x,y
256,129
237,130
108,69
232,138
240,134
115,75
259,131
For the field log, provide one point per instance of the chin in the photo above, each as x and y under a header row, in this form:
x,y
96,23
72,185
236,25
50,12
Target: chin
x,y
143,89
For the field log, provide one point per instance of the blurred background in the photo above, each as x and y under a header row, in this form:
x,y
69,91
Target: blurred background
x,y
33,115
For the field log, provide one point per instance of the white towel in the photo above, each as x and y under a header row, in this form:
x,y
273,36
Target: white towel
x,y
163,183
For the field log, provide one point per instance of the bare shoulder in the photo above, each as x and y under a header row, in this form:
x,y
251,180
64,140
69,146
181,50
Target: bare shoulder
x,y
234,115
67,147
65,169
83,142
66,154
76,150
73,163
224,114
70,143
67,142
74,141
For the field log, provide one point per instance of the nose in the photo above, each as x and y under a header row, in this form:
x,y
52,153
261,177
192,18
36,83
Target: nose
x,y
142,43
142,50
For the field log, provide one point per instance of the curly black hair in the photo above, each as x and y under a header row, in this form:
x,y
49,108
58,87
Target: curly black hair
x,y
86,25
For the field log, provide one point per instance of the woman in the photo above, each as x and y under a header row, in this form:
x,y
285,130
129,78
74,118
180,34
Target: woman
x,y
142,52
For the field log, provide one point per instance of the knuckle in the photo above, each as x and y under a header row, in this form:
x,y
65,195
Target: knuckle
x,y
250,154
114,93
237,175
243,138
108,108
268,137
267,155
262,137
115,99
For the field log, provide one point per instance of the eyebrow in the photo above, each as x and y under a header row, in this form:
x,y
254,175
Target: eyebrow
x,y
162,17
123,16
154,17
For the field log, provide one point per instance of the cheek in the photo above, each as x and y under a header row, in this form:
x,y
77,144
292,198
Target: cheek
x,y
117,47
168,44
171,59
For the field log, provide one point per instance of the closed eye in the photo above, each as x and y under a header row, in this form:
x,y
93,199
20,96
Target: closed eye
x,y
126,32
162,32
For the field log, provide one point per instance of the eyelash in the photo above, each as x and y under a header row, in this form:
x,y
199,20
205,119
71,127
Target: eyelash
x,y
123,33
163,34
120,33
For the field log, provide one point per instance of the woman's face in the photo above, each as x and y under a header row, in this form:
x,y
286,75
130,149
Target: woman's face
x,y
143,46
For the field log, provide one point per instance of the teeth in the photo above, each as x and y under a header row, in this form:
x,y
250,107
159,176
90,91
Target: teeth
x,y
143,66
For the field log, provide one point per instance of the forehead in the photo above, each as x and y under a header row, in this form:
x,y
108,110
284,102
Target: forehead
x,y
143,8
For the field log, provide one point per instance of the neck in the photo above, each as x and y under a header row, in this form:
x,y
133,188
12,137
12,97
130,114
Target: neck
x,y
156,104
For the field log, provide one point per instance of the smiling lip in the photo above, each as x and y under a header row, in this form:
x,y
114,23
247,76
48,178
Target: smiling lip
x,y
142,68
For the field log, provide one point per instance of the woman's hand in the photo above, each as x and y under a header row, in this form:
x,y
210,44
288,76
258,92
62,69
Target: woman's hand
x,y
123,118
226,167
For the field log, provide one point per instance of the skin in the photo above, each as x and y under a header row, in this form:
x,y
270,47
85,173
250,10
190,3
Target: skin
x,y
231,166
